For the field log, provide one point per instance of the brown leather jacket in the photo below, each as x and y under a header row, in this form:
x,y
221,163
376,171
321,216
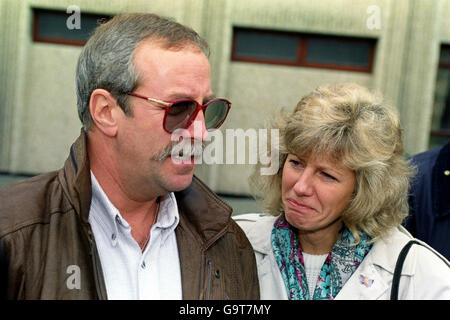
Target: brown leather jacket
x,y
47,240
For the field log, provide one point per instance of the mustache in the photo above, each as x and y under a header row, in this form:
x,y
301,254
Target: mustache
x,y
187,147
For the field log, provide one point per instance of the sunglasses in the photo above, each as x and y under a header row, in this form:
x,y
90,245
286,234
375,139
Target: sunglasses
x,y
179,114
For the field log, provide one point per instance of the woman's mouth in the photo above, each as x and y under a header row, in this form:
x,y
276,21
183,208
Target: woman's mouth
x,y
299,206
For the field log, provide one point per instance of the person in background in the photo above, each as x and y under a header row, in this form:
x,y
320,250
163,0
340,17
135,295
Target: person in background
x,y
125,218
429,199
335,207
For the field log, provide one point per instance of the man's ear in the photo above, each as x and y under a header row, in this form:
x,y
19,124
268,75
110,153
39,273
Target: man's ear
x,y
104,111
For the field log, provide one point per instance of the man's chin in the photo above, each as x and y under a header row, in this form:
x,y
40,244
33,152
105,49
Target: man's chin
x,y
182,173
181,182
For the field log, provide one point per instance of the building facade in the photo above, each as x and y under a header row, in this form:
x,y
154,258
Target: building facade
x,y
265,55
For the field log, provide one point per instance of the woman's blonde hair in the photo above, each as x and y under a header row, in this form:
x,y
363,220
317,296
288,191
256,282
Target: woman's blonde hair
x,y
355,128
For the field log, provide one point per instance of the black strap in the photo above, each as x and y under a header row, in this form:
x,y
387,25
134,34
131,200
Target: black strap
x,y
399,267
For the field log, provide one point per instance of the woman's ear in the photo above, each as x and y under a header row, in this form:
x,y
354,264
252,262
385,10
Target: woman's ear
x,y
103,107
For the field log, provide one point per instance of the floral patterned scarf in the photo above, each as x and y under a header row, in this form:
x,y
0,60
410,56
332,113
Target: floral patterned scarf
x,y
340,264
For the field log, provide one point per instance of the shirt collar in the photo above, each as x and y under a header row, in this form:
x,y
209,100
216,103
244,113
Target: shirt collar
x,y
107,215
168,215
110,218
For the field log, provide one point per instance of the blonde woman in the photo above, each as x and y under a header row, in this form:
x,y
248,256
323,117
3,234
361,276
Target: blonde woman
x,y
336,206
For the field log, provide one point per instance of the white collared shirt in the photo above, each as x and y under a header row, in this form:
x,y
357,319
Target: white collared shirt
x,y
130,273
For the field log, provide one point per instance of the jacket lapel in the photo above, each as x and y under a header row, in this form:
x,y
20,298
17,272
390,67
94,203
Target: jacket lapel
x,y
204,218
191,261
373,278
75,177
205,213
365,284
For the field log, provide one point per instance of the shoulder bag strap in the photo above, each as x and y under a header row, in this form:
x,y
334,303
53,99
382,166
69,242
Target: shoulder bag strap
x,y
399,267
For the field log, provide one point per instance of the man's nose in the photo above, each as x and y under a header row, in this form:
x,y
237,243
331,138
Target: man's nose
x,y
197,129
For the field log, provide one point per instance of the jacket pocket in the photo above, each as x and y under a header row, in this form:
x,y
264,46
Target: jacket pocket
x,y
213,283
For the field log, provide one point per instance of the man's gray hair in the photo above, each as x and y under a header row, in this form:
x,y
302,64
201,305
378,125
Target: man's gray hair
x,y
106,61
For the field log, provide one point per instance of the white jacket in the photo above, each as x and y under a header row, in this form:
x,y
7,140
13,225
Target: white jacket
x,y
424,274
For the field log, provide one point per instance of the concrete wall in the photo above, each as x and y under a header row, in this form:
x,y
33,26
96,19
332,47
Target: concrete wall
x,y
258,91
38,98
38,118
405,65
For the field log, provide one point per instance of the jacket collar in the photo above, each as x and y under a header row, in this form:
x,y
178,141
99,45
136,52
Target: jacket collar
x,y
386,250
264,244
368,281
75,177
258,229
201,210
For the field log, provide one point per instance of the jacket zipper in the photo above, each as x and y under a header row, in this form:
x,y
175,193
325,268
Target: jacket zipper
x,y
95,258
96,275
208,280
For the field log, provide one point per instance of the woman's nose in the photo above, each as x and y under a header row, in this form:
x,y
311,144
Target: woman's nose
x,y
304,184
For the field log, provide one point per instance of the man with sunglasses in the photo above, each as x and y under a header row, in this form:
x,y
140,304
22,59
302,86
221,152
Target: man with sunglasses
x,y
122,219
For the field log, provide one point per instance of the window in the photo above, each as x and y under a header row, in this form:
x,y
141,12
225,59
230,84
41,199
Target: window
x,y
264,46
440,122
51,26
305,50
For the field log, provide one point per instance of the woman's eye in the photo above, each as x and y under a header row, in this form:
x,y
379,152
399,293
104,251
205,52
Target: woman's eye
x,y
295,163
328,176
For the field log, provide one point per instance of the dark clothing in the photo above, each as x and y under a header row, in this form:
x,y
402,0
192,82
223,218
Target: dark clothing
x,y
3,275
48,241
429,199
